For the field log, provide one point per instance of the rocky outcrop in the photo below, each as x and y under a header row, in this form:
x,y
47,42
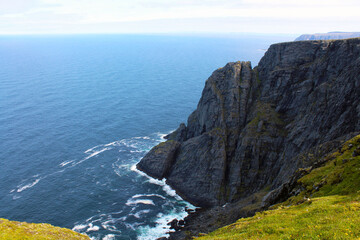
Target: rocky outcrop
x,y
252,126
328,36
158,162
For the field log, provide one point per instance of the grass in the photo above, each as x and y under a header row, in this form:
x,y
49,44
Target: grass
x,y
328,207
11,230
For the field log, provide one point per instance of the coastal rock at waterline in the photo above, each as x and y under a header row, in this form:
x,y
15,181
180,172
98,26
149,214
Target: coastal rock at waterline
x,y
252,125
159,160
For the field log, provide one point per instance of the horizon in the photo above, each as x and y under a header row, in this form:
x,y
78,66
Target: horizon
x,y
34,17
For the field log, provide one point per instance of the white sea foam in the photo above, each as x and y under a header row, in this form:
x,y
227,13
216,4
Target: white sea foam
x,y
23,187
131,202
63,164
161,229
112,144
138,147
146,138
79,227
30,185
109,237
91,149
91,155
92,228
166,188
162,136
171,192
142,212
97,152
148,195
110,228
137,151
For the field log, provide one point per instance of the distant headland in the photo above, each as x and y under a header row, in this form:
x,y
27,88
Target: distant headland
x,y
328,36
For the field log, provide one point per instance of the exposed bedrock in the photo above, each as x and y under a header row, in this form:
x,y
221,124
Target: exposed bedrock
x,y
251,125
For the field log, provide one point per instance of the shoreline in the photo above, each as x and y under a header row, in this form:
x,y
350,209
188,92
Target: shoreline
x,y
188,209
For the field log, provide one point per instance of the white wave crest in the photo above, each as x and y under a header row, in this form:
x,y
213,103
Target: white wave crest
x,y
30,185
109,237
63,164
162,228
92,228
166,188
131,202
142,212
91,149
79,227
148,195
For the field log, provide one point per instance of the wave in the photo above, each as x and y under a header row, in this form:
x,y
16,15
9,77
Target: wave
x,y
162,228
92,228
109,237
63,164
148,195
166,188
142,212
131,202
27,186
137,212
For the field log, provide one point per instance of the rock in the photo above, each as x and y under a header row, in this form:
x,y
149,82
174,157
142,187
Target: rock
x,y
174,224
159,160
179,134
254,127
356,152
189,210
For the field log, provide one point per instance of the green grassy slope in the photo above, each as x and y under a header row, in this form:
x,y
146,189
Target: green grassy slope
x,y
328,207
11,230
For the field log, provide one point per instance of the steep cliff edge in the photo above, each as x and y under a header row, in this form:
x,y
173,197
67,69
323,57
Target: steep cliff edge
x,y
251,126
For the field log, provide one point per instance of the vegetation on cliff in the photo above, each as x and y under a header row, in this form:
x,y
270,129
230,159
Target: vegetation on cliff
x,y
327,207
11,230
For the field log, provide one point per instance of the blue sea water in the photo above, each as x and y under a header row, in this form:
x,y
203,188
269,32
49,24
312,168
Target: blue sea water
x,y
77,112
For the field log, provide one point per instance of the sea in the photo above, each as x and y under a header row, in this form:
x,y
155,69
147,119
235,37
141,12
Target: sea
x,y
77,112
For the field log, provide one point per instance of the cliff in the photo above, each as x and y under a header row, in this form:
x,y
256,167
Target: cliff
x,y
326,204
328,36
22,230
252,127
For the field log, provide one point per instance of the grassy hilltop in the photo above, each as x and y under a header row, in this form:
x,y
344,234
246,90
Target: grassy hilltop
x,y
11,230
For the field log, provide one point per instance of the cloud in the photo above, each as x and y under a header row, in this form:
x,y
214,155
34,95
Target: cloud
x,y
116,15
23,6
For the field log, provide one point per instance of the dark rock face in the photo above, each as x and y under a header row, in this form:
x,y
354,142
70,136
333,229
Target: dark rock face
x,y
158,161
252,125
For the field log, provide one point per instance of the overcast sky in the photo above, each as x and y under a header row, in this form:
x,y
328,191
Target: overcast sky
x,y
178,16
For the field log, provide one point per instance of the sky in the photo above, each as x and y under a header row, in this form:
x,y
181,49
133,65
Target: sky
x,y
178,16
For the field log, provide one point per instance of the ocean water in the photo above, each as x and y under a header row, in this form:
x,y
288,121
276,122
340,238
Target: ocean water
x,y
77,112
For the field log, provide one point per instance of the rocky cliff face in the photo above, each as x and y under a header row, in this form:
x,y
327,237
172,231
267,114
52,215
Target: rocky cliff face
x,y
251,126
